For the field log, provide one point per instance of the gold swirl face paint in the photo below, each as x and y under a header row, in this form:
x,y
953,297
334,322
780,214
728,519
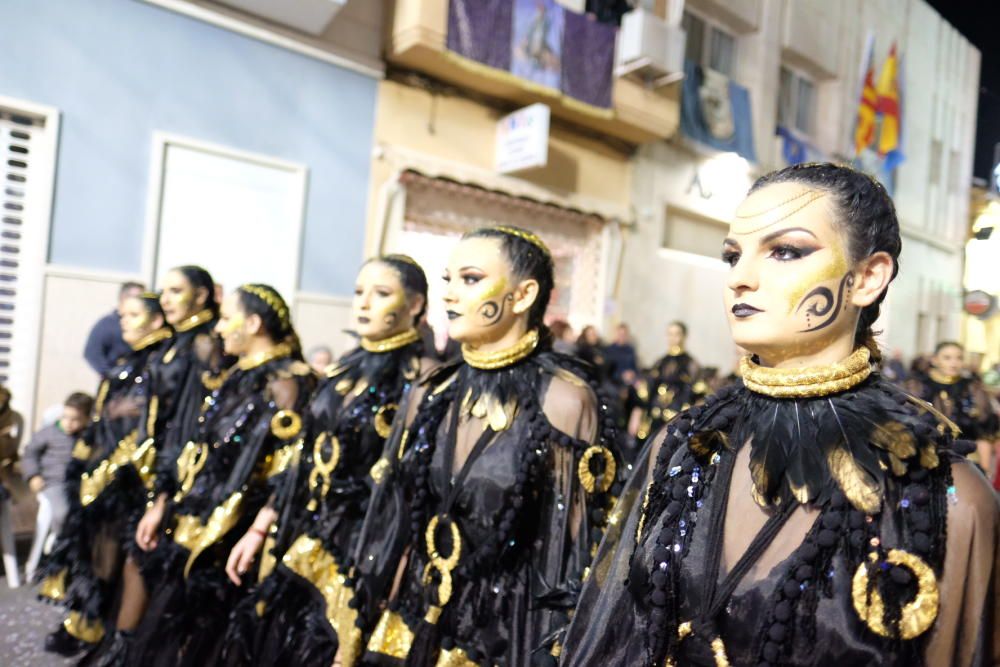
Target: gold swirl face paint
x,y
479,294
379,305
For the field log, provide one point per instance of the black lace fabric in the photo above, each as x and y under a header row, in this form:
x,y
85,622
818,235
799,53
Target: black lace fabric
x,y
528,520
772,583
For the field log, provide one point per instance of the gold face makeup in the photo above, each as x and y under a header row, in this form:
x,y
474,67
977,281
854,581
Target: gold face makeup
x,y
790,279
380,306
231,324
135,321
479,293
177,298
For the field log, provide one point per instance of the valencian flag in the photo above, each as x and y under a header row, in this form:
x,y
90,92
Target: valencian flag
x,y
864,131
887,106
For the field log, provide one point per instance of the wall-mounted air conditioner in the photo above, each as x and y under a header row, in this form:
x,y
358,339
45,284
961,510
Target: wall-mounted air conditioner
x,y
308,16
650,48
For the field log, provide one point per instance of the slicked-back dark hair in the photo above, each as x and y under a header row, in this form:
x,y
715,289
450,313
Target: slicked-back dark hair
x,y
199,277
527,260
411,275
865,211
948,343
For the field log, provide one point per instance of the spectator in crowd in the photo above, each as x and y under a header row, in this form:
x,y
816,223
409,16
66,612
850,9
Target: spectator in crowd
x,y
893,369
622,363
320,357
11,424
105,344
562,337
51,449
590,349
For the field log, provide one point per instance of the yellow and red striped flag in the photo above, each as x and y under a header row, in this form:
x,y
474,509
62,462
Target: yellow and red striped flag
x,y
888,107
864,129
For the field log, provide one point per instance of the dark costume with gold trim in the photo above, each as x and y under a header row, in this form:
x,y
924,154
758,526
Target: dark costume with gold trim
x,y
224,475
294,618
962,399
106,483
669,387
491,504
864,499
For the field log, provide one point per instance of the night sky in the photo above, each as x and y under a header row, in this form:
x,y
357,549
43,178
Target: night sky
x,y
979,22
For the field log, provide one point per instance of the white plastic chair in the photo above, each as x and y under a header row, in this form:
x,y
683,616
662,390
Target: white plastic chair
x,y
8,545
40,544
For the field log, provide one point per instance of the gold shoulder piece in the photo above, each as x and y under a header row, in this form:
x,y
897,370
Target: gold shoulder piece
x,y
591,482
286,424
916,616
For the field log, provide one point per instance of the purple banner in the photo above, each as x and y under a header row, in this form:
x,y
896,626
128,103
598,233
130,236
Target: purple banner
x,y
480,30
539,41
588,59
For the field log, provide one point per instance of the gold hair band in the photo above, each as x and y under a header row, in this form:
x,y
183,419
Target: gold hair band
x,y
271,298
524,235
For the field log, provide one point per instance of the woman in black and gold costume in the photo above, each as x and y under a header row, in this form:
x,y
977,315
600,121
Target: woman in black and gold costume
x,y
319,517
225,473
816,514
494,486
175,387
105,486
668,387
959,396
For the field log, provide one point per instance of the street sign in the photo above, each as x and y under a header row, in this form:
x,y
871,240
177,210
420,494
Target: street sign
x,y
979,303
522,139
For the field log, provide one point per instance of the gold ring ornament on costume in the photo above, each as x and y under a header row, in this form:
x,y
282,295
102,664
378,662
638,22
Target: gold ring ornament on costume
x,y
592,483
443,565
286,424
192,459
382,422
323,467
916,616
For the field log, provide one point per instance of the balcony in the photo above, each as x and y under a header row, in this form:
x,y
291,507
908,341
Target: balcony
x,y
638,112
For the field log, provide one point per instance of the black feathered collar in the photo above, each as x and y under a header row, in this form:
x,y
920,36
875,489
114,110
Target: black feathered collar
x,y
360,369
809,447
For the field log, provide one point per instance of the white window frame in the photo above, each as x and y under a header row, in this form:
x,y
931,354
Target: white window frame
x,y
151,233
34,248
706,46
799,75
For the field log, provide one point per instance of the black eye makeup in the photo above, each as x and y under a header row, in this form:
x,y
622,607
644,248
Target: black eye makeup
x,y
787,252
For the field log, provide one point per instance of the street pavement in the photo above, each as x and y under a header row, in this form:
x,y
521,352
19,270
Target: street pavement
x,y
24,622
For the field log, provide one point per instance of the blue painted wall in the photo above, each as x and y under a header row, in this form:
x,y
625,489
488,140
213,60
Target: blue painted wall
x,y
121,69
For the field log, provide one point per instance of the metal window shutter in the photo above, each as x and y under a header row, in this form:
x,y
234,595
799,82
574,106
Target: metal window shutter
x,y
16,133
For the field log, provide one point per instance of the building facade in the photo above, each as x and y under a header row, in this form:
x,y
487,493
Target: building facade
x,y
799,64
142,135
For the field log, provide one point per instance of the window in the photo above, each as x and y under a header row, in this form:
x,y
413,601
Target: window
x,y
232,200
796,101
693,233
709,45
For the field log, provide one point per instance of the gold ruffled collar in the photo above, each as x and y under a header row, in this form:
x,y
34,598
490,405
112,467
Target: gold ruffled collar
x,y
491,361
260,358
152,338
942,378
807,382
193,321
392,343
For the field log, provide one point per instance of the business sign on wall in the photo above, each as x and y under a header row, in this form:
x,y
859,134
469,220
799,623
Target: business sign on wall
x,y
522,140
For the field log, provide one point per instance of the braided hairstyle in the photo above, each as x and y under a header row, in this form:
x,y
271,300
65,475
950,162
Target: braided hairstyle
x,y
265,302
528,259
199,277
150,302
866,212
411,275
